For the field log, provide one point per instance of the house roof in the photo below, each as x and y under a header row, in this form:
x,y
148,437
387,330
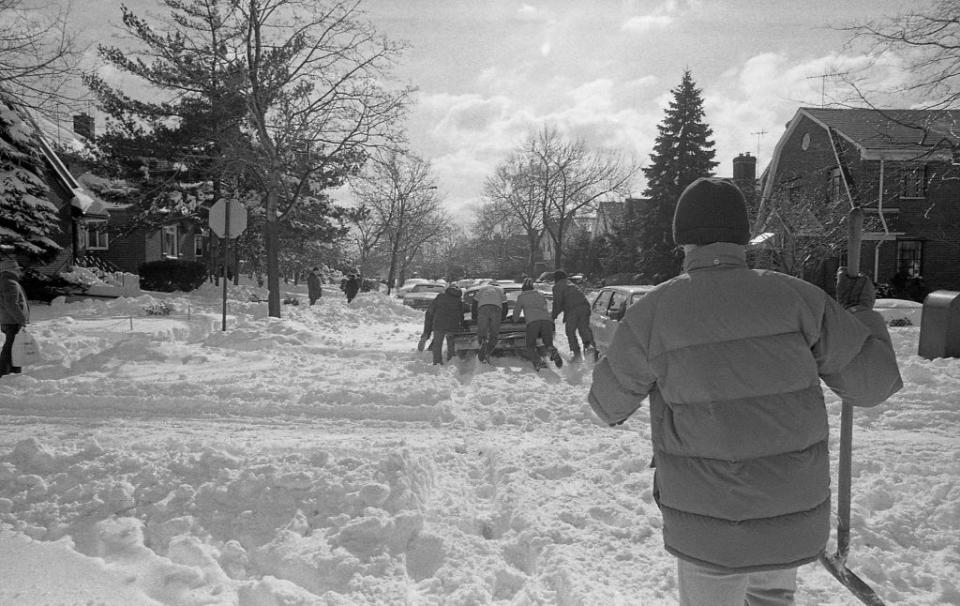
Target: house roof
x,y
877,134
891,133
54,136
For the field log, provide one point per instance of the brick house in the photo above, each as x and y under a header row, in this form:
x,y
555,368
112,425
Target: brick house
x,y
106,242
901,166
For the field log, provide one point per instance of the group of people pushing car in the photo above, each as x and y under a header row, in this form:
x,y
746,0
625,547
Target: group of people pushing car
x,y
444,317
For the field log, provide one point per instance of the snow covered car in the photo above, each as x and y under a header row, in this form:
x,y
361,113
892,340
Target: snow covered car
x,y
608,308
419,296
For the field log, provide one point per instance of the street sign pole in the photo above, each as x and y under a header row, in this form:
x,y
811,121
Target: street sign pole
x,y
228,219
226,256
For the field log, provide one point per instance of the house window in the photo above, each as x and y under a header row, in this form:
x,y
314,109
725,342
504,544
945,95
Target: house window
x,y
95,233
913,182
199,244
910,257
170,242
835,189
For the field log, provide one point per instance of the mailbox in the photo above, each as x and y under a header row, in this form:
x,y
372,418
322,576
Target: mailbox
x,y
940,325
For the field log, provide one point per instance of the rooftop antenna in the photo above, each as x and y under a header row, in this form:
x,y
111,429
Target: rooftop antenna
x,y
758,133
823,83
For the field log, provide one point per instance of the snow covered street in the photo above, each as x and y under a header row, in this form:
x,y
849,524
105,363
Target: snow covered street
x,y
319,459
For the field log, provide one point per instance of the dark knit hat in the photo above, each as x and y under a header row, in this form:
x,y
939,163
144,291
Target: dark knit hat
x,y
559,275
711,210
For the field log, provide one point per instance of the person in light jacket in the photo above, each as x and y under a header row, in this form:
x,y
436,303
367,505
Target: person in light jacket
x,y
490,300
14,312
532,305
732,359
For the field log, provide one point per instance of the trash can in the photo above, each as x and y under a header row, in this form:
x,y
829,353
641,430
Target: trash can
x,y
940,325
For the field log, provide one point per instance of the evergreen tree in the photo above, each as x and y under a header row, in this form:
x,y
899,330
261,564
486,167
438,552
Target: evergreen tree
x,y
188,132
27,218
682,153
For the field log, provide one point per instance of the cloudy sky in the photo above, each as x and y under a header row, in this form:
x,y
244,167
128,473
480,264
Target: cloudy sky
x,y
491,71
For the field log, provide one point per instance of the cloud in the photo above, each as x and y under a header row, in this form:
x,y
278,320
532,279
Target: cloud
x,y
661,17
645,23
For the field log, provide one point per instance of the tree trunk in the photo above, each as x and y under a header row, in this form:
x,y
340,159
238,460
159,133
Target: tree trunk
x,y
271,240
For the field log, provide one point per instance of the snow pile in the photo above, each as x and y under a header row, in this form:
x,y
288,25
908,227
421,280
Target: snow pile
x,y
319,459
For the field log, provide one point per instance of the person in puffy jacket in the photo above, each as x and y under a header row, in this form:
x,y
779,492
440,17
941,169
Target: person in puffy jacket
x,y
14,312
532,305
732,360
569,301
444,317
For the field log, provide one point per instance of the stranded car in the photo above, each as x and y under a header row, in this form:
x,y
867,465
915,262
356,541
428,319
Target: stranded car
x,y
608,308
419,296
511,289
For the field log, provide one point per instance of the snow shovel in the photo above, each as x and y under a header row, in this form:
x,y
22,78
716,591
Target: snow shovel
x,y
837,563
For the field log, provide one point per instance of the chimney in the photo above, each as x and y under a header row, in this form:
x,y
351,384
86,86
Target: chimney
x,y
83,125
745,168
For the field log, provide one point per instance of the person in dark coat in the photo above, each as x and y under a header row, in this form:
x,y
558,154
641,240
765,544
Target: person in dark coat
x,y
14,312
569,301
443,318
314,288
352,286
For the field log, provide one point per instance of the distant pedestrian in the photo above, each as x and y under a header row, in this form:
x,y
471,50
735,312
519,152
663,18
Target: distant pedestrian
x,y
14,312
443,318
539,325
351,287
569,301
314,288
490,300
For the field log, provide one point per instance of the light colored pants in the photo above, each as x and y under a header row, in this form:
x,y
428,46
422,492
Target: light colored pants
x,y
701,586
488,326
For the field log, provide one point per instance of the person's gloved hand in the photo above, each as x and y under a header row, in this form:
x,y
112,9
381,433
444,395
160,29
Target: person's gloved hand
x,y
422,343
858,293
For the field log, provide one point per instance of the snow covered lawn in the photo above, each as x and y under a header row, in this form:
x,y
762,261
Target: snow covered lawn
x,y
319,459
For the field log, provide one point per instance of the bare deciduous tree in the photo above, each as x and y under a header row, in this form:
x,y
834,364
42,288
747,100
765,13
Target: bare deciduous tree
x,y
39,57
403,208
313,84
551,180
927,40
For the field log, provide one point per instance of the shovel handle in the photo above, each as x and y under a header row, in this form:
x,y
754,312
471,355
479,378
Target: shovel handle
x,y
854,239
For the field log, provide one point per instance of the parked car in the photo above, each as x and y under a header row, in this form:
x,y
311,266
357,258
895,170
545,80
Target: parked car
x,y
544,282
418,296
608,308
511,289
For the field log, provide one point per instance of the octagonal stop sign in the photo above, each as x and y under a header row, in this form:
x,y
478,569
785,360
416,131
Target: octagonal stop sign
x,y
218,217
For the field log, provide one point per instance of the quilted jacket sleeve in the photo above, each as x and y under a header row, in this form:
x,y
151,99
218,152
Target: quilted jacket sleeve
x,y
622,379
855,356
